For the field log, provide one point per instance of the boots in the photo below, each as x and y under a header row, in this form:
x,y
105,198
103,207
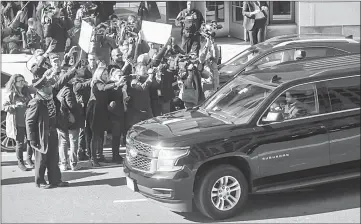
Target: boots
x,y
30,163
117,159
95,163
22,166
82,156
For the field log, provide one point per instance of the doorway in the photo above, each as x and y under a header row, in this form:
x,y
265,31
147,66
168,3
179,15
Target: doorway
x,y
173,9
236,28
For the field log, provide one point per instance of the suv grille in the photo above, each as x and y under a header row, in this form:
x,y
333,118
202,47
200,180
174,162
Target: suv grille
x,y
140,163
140,156
141,147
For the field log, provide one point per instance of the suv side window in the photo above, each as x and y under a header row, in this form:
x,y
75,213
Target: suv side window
x,y
317,52
344,93
296,102
275,58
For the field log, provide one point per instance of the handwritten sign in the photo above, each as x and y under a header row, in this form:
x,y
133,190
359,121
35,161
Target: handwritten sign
x,y
86,33
156,32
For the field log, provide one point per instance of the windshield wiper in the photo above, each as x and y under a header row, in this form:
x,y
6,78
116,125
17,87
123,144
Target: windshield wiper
x,y
226,119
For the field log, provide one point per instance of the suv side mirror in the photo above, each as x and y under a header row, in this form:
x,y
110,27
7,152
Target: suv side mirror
x,y
273,117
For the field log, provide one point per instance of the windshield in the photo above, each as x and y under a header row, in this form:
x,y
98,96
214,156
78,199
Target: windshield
x,y
238,100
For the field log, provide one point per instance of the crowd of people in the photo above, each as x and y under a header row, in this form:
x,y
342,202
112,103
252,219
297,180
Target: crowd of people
x,y
76,97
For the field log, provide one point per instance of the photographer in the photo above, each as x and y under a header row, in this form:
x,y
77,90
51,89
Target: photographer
x,y
210,54
55,31
190,19
139,105
103,44
190,80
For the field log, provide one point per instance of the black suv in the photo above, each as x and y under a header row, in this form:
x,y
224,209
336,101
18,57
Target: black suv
x,y
281,128
285,49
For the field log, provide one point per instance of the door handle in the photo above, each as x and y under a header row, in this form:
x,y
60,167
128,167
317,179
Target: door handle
x,y
322,126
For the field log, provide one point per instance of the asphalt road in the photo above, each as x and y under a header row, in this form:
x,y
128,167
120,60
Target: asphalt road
x,y
101,195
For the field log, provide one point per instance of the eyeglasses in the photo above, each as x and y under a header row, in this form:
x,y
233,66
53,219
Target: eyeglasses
x,y
21,80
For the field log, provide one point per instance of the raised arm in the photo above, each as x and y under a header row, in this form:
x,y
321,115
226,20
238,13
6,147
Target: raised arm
x,y
63,80
246,9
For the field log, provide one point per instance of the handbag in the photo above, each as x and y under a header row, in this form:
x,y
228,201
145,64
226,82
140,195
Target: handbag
x,y
260,15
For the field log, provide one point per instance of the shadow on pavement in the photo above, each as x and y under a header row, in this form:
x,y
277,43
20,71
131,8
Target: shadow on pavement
x,y
66,176
9,163
316,200
114,182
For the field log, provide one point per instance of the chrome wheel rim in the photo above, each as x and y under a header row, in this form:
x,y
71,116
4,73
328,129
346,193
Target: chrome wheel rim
x,y
7,144
226,193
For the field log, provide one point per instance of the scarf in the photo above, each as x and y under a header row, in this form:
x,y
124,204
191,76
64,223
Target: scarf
x,y
50,104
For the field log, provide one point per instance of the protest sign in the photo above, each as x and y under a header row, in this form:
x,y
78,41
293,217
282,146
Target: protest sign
x,y
156,32
86,33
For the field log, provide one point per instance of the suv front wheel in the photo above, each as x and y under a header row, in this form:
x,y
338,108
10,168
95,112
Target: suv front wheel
x,y
221,192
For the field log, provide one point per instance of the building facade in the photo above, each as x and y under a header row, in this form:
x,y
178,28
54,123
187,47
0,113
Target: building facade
x,y
285,17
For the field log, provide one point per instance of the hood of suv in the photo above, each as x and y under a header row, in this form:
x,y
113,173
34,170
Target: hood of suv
x,y
175,127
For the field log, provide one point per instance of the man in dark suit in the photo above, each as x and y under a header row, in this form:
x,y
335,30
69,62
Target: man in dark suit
x,y
191,20
41,123
255,19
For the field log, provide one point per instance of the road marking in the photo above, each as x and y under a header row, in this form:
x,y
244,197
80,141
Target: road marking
x,y
8,155
132,200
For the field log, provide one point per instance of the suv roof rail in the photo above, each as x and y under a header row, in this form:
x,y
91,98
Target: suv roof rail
x,y
287,36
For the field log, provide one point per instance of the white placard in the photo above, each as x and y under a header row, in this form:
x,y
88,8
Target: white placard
x,y
85,36
156,32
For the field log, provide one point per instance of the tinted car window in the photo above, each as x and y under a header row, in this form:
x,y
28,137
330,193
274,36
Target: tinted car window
x,y
296,102
317,52
275,58
4,79
344,93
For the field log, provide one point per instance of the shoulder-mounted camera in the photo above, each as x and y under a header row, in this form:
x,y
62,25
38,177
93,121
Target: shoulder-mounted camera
x,y
208,29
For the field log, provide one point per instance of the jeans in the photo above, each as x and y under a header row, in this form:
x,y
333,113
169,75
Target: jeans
x,y
21,144
96,146
257,34
84,141
68,138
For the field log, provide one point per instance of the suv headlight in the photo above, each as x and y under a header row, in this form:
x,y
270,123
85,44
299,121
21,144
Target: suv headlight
x,y
168,158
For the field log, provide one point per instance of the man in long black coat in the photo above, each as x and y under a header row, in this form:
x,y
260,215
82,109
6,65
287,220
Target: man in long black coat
x,y
41,123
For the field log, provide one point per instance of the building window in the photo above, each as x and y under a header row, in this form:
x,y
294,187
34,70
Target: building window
x,y
237,16
215,11
282,12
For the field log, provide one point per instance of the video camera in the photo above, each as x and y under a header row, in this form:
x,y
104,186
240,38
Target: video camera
x,y
208,30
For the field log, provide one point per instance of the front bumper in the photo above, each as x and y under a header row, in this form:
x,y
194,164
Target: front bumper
x,y
173,189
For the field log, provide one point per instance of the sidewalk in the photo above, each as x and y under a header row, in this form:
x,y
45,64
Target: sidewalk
x,y
230,46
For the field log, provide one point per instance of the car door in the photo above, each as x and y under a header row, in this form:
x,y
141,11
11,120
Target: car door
x,y
343,123
294,144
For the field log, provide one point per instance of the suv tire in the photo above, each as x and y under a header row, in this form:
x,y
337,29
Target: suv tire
x,y
213,178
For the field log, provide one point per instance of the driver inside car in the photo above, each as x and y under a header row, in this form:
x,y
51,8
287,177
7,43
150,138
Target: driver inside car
x,y
293,107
